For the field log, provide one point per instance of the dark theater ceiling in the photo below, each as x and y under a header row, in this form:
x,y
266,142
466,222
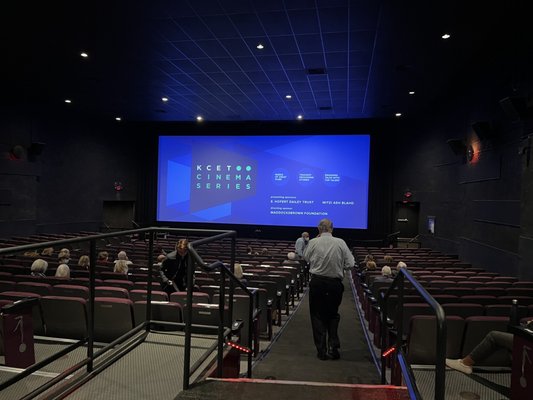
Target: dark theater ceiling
x,y
334,58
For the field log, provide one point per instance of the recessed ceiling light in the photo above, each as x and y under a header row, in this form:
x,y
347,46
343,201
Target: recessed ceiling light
x,y
68,101
199,118
260,46
288,96
84,54
411,92
165,99
446,36
118,119
300,116
398,114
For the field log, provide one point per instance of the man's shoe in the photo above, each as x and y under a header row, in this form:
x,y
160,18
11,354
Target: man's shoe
x,y
459,366
334,354
322,356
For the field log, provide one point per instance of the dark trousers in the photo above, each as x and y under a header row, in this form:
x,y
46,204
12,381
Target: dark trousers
x,y
325,296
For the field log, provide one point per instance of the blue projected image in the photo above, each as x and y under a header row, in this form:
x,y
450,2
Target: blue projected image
x,y
264,180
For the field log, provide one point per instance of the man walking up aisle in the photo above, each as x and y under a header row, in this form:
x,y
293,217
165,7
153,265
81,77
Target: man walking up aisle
x,y
328,257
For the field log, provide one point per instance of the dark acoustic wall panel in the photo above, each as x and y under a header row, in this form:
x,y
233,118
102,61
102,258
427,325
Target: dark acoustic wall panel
x,y
501,212
526,258
489,257
5,197
487,167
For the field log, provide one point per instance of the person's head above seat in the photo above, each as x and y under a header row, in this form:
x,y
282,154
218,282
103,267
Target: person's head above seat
x,y
182,247
386,271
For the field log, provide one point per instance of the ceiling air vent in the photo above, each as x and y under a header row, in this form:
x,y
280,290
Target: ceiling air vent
x,y
316,71
325,108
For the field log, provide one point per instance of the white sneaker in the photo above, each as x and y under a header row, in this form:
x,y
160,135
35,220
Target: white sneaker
x,y
459,366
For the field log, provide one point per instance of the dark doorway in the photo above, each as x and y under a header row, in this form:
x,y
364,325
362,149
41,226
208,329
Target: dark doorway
x,y
118,215
406,219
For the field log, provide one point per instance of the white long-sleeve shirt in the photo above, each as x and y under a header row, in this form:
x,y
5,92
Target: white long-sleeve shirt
x,y
328,256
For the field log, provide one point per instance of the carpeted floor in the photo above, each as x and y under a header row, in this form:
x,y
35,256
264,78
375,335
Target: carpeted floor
x,y
293,356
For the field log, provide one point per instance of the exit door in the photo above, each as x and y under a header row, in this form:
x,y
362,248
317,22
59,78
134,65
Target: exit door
x,y
406,219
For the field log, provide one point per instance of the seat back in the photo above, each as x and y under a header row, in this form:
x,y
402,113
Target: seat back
x,y
71,291
463,310
110,291
161,311
422,338
475,331
113,317
123,283
504,310
44,289
197,297
141,295
65,317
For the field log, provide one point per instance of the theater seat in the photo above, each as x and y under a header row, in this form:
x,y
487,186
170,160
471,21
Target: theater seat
x,y
141,295
6,286
44,289
475,330
110,291
65,317
197,297
463,310
113,317
422,338
161,311
71,291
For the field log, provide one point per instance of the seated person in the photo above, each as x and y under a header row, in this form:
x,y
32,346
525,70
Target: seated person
x,y
47,252
63,271
63,256
493,341
399,266
84,261
237,271
103,258
123,256
121,266
38,267
388,260
386,277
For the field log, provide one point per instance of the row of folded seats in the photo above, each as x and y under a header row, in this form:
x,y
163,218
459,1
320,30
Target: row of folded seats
x,y
463,334
271,292
67,317
470,315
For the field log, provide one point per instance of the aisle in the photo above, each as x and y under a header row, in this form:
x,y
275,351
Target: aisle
x,y
293,356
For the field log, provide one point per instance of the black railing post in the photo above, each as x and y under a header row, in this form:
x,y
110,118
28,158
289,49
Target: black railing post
x,y
188,322
384,331
440,362
92,272
220,355
150,272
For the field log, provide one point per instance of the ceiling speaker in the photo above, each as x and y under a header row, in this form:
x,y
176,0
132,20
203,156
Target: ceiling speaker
x,y
458,146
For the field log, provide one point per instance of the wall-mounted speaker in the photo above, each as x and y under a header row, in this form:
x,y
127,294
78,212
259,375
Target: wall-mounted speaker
x,y
36,149
514,107
458,146
484,129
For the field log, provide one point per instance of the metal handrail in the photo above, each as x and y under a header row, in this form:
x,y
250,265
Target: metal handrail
x,y
92,239
224,271
440,366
